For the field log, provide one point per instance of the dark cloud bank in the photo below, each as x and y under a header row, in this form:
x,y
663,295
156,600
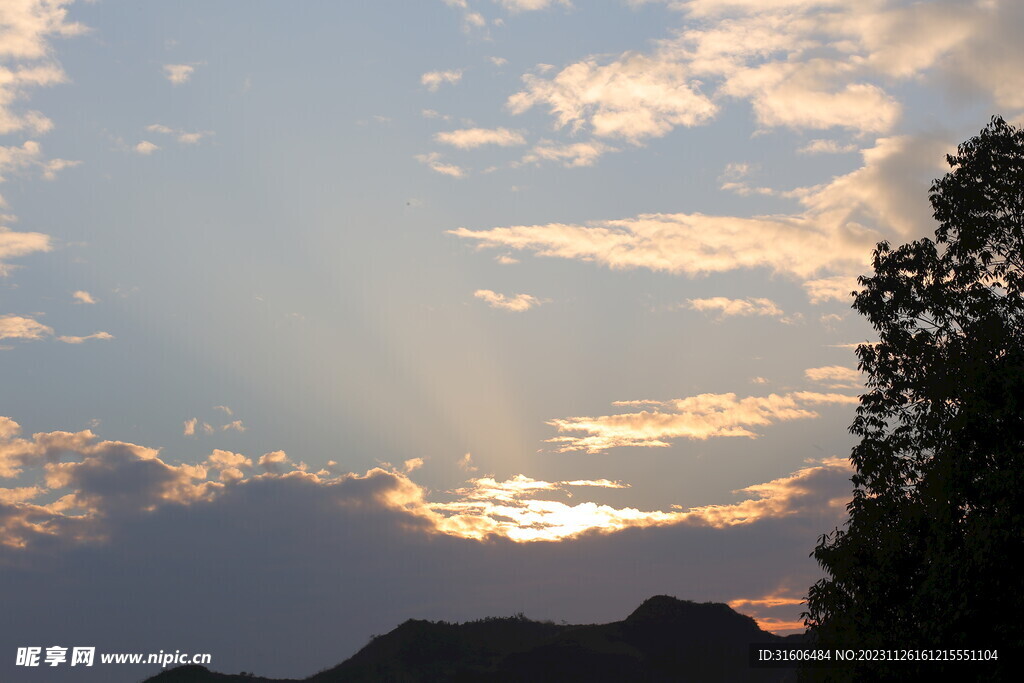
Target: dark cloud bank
x,y
285,574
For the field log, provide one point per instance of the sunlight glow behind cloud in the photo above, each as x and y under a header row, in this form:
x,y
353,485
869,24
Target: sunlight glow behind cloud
x,y
93,484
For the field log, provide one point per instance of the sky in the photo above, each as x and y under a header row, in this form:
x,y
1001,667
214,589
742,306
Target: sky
x,y
316,317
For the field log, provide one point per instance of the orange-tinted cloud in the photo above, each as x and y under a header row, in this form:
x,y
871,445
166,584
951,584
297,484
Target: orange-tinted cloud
x,y
92,483
633,98
825,244
836,376
514,302
696,417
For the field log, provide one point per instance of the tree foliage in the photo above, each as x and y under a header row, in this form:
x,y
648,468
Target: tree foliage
x,y
938,501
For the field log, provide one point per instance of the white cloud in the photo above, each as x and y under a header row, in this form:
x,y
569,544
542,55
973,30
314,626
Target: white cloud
x,y
183,136
734,179
836,377
690,244
178,73
466,463
820,146
737,307
838,288
831,238
20,327
190,427
802,64
191,138
471,138
146,147
531,5
634,97
435,79
572,155
28,157
696,417
434,114
26,26
67,339
274,461
235,425
433,161
803,96
515,302
17,244
26,57
83,297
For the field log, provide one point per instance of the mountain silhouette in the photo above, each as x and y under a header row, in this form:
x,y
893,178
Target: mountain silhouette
x,y
664,639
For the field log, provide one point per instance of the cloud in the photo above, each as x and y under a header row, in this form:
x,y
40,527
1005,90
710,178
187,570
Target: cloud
x,y
146,148
826,147
97,481
803,96
178,73
274,461
228,465
26,26
78,340
470,20
17,244
697,417
190,427
832,236
225,409
802,64
433,160
520,509
690,244
20,327
531,5
26,58
783,496
183,136
52,167
515,302
734,177
632,98
235,425
837,287
28,157
353,554
466,463
572,155
836,377
736,307
435,79
83,297
471,138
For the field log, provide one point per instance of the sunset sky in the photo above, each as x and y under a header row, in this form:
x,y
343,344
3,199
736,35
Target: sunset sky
x,y
318,316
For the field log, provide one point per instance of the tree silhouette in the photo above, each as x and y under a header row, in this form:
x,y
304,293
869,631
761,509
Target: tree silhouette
x,y
938,500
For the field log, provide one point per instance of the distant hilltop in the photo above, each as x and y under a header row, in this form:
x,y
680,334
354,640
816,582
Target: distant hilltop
x,y
664,639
